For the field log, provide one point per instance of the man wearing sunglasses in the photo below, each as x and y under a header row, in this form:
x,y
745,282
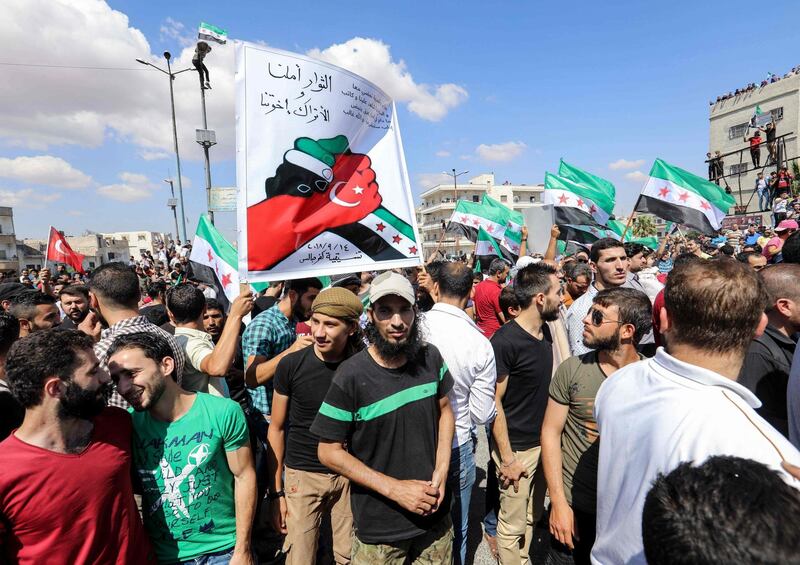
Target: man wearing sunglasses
x,y
613,327
610,264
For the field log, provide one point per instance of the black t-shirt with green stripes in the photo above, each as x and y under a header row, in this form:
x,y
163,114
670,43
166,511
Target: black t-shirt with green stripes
x,y
390,421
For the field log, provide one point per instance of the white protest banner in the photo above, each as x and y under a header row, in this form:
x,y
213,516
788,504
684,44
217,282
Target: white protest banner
x,y
322,179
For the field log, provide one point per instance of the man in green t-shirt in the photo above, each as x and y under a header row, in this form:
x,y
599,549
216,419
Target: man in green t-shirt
x,y
192,454
616,322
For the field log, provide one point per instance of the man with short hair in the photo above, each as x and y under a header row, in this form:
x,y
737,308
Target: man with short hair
x,y
609,261
66,494
11,411
388,405
206,363
523,350
309,491
214,323
192,454
578,277
488,316
751,235
613,327
35,311
155,311
750,504
687,395
272,335
114,296
791,248
769,358
734,237
470,360
755,260
75,304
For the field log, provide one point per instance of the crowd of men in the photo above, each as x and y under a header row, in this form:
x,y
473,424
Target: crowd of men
x,y
647,402
752,87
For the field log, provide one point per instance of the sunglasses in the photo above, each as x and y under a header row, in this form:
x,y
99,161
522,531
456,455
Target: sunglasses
x,y
598,319
582,260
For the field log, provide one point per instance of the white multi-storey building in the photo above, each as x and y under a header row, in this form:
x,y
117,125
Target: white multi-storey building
x,y
139,241
728,125
8,241
437,205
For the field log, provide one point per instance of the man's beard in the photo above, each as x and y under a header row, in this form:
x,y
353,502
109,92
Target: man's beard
x,y
78,316
550,312
610,343
408,348
81,403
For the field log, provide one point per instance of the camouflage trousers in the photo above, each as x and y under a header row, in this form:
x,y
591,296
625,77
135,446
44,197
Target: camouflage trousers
x,y
434,547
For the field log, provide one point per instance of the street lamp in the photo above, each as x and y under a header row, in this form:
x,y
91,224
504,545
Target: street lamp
x,y
455,196
172,203
171,75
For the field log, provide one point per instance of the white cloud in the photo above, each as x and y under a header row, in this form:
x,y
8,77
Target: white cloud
x,y
172,30
429,180
44,170
372,59
154,155
442,153
45,107
637,176
26,198
134,187
622,164
465,157
500,151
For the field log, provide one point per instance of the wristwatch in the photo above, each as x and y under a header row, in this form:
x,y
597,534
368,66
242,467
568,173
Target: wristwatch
x,y
275,495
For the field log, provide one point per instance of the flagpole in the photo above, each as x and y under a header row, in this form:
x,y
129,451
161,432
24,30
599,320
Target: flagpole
x,y
630,218
47,250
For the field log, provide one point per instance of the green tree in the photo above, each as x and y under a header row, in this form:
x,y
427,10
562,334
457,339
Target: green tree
x,y
644,226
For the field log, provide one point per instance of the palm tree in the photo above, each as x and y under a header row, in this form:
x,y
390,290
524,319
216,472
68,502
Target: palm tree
x,y
644,226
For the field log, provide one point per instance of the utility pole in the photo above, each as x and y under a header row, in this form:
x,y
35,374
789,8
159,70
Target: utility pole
x,y
173,202
206,138
171,75
455,198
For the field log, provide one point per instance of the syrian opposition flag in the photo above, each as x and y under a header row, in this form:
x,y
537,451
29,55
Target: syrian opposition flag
x,y
584,234
214,261
59,251
684,198
469,216
577,204
208,32
381,235
586,178
514,220
486,248
619,229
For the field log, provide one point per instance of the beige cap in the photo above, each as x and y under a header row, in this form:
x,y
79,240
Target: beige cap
x,y
391,283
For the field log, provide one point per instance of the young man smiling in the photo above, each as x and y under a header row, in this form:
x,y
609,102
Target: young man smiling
x,y
389,405
192,453
302,380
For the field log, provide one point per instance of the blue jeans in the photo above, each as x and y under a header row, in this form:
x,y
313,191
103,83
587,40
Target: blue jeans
x,y
218,558
763,199
460,479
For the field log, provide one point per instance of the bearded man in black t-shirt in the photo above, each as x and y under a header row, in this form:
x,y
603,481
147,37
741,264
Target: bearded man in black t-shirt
x,y
309,490
523,350
388,404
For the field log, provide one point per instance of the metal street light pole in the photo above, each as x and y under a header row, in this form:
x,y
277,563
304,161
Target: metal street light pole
x,y
171,76
206,138
455,196
172,204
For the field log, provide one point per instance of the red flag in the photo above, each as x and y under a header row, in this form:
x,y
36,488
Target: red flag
x,y
59,250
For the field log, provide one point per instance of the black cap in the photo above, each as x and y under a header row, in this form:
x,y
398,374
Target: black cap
x,y
10,290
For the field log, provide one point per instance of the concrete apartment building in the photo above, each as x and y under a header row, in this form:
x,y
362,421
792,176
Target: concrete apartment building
x,y
437,205
97,248
728,120
8,241
139,241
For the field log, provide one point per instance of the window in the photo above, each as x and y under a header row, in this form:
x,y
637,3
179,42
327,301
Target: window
x,y
91,264
516,199
142,237
739,168
3,255
476,198
503,198
737,131
777,113
111,256
532,199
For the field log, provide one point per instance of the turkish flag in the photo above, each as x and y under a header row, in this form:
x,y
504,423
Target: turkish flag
x,y
58,250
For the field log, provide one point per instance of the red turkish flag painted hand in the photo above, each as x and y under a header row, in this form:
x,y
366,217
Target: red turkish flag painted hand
x,y
280,225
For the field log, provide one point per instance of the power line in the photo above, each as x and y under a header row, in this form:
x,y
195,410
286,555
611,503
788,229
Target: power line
x,y
71,67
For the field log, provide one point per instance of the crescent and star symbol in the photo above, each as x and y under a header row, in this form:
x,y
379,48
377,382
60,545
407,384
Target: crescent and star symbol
x,y
59,245
336,200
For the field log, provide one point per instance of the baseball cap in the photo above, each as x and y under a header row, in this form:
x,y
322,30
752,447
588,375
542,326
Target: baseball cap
x,y
391,283
787,225
345,280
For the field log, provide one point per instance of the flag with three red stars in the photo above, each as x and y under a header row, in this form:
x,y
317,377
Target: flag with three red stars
x,y
214,261
577,203
684,198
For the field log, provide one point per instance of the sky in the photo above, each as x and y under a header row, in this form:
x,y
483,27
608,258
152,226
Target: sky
x,y
507,87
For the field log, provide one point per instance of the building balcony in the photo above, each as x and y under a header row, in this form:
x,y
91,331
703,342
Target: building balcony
x,y
8,265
